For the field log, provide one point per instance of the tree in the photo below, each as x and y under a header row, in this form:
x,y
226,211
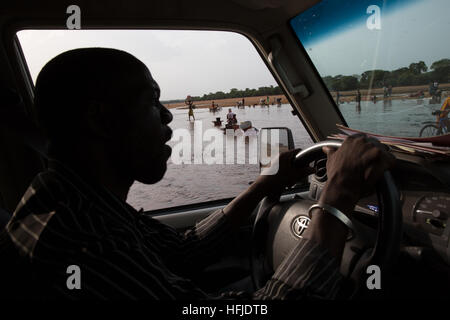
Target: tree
x,y
377,77
441,70
442,74
328,80
416,74
344,83
406,79
440,64
418,68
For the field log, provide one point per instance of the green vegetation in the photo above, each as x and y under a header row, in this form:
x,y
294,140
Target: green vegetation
x,y
235,93
415,74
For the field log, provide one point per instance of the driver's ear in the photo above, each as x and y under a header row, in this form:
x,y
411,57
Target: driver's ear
x,y
98,119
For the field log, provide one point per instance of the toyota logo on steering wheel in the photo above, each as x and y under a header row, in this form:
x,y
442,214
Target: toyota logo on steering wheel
x,y
299,225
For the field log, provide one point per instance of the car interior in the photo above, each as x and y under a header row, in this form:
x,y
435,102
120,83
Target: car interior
x,y
392,227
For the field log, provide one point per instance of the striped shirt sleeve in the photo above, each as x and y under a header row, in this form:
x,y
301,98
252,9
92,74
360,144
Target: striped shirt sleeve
x,y
110,268
114,265
194,248
309,271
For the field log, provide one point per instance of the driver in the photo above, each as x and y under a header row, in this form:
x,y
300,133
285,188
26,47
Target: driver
x,y
107,129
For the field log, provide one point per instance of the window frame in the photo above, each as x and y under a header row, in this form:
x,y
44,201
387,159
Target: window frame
x,y
25,81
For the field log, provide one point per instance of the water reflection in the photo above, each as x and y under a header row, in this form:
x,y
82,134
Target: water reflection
x,y
387,105
260,116
391,117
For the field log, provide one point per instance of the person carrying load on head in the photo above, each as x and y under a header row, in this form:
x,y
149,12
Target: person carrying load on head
x,y
190,104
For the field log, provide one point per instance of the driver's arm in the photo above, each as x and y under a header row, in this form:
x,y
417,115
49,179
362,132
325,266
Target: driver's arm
x,y
199,246
351,170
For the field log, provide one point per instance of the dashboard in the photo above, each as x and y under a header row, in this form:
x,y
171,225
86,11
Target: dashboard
x,y
425,198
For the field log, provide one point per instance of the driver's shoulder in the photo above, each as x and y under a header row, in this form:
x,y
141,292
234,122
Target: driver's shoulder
x,y
49,206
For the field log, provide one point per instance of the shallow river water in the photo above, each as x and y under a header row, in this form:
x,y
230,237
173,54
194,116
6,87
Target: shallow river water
x,y
194,183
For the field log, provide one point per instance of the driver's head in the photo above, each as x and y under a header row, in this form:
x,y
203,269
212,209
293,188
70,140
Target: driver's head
x,y
105,101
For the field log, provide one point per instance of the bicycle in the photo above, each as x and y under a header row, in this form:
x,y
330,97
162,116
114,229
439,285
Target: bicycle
x,y
435,128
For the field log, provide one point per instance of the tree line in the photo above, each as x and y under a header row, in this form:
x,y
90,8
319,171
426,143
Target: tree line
x,y
235,93
416,74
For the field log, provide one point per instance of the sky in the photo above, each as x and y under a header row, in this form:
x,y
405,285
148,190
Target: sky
x,y
334,16
418,30
410,31
182,62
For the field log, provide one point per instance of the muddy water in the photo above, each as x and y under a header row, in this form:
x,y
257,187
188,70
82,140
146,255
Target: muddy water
x,y
396,117
193,183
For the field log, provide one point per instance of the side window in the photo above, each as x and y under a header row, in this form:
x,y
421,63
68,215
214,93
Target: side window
x,y
210,81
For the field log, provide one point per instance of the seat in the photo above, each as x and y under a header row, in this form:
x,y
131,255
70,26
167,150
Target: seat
x,y
22,149
4,218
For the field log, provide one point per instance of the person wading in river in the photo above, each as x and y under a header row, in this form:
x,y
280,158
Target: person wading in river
x,y
190,104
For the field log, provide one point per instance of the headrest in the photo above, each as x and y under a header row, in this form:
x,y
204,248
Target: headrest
x,y
14,117
4,218
9,96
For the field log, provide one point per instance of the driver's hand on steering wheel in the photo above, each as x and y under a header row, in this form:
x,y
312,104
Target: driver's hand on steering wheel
x,y
353,170
287,174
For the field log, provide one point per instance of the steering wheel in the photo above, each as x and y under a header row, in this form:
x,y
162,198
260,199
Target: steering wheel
x,y
274,235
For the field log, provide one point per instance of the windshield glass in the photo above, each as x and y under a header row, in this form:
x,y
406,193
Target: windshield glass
x,y
385,62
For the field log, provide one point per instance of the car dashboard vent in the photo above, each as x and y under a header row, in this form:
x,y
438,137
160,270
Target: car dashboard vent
x,y
321,170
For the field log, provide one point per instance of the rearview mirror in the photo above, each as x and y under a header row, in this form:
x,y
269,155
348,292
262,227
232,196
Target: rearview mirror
x,y
271,142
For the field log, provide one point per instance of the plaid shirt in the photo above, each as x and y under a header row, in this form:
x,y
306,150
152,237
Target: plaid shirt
x,y
123,253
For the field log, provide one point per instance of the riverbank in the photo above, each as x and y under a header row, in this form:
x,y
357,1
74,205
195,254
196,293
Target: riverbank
x,y
397,93
231,102
345,96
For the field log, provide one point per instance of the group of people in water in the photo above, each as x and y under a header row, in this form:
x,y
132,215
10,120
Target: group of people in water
x,y
434,91
387,92
435,94
231,116
239,104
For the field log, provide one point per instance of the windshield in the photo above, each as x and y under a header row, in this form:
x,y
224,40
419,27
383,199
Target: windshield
x,y
385,63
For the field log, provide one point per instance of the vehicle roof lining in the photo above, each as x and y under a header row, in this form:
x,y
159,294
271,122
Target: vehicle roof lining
x,y
258,15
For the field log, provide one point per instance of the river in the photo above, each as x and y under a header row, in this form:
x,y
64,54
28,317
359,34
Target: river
x,y
194,183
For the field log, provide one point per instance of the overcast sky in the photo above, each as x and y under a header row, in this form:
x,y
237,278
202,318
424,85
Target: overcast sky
x,y
418,30
182,62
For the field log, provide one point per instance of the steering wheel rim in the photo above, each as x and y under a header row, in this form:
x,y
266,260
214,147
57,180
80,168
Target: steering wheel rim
x,y
389,232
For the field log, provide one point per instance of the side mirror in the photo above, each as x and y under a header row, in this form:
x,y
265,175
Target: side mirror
x,y
271,142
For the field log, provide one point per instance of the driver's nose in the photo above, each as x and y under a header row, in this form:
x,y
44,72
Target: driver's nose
x,y
166,115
